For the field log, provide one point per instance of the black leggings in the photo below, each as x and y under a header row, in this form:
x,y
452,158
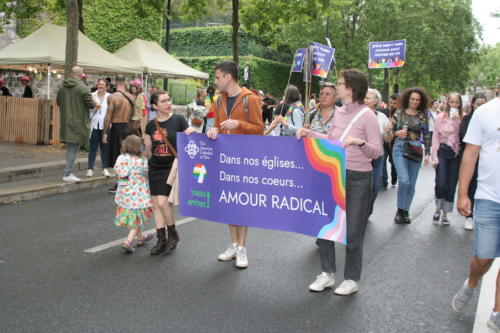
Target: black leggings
x,y
117,133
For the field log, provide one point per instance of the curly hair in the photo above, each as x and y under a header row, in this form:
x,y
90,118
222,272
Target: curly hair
x,y
404,99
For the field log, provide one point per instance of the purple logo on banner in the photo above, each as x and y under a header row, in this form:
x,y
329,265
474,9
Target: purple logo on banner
x,y
298,60
278,183
387,54
322,59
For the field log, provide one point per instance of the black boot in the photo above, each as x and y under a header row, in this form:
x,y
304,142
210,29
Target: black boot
x,y
399,218
406,217
173,239
162,242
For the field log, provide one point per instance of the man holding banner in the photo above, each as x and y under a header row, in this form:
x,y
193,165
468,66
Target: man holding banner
x,y
357,128
237,111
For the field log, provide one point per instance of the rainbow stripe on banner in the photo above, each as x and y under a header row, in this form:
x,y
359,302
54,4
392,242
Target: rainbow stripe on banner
x,y
328,157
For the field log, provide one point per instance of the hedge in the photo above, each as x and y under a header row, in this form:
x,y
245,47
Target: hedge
x,y
216,41
266,75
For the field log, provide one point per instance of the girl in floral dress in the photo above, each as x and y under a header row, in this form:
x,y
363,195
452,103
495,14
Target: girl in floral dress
x,y
132,196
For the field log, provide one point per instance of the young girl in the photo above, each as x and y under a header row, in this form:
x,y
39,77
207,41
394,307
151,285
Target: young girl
x,y
445,157
132,196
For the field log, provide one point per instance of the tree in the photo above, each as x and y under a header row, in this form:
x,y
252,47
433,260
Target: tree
x,y
72,19
439,49
485,73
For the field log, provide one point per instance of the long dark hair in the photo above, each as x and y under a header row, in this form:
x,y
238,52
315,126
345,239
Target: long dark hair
x,y
292,94
476,97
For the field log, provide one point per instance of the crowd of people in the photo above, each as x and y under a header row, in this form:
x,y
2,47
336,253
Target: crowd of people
x,y
137,136
25,82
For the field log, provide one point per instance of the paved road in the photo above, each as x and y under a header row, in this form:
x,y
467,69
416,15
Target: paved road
x,y
49,284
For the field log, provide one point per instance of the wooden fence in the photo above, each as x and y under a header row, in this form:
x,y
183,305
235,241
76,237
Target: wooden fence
x,y
29,120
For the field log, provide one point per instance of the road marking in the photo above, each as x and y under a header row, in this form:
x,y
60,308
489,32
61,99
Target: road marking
x,y
486,299
121,240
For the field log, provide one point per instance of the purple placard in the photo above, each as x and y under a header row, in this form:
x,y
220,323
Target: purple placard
x,y
322,59
298,60
278,183
387,54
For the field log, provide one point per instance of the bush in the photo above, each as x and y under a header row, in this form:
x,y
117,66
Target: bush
x,y
216,41
267,75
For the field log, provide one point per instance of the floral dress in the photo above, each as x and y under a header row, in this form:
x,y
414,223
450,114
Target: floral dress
x,y
132,196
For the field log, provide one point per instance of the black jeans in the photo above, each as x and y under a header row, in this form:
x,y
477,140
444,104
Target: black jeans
x,y
358,195
446,177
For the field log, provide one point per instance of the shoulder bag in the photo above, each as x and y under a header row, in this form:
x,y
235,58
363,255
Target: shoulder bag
x,y
172,179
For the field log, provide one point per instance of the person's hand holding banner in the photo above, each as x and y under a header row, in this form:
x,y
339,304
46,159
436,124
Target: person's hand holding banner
x,y
212,133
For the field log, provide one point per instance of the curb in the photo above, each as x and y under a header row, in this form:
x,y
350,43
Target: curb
x,y
42,190
11,174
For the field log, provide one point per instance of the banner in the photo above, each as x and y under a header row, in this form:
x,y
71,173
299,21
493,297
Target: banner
x,y
387,54
322,59
278,183
298,60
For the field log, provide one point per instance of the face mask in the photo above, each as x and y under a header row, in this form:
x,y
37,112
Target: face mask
x,y
453,112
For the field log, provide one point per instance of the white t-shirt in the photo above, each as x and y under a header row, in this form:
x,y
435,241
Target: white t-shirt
x,y
484,131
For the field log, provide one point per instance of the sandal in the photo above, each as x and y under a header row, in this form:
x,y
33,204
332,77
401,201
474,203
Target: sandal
x,y
127,246
147,238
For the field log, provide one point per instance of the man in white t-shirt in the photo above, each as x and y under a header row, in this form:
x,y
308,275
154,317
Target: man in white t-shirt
x,y
483,141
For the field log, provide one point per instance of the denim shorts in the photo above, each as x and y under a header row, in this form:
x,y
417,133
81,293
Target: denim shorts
x,y
487,220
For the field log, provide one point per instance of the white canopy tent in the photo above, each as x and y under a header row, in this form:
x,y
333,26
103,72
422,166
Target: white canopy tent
x,y
46,49
155,61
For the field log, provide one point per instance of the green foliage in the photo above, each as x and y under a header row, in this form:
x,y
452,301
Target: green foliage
x,y
440,47
182,91
269,76
486,72
112,24
216,41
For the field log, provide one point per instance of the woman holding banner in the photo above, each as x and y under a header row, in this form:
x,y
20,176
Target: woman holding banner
x,y
408,125
357,128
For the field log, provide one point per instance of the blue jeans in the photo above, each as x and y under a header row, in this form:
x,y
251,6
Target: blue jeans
x,y
446,177
95,143
377,166
407,173
487,220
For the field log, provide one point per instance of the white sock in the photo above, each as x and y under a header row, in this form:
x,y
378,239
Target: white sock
x,y
235,245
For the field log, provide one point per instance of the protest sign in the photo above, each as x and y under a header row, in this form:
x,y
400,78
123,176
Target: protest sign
x,y
322,59
387,54
298,60
278,183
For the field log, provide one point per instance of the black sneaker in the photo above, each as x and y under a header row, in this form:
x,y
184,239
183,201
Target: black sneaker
x,y
113,189
399,218
406,217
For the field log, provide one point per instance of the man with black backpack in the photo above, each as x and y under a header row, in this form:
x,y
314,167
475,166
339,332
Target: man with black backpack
x,y
116,124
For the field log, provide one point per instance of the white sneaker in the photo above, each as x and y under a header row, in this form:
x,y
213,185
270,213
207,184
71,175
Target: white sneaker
x,y
229,254
89,173
71,178
241,257
324,280
469,223
106,173
347,287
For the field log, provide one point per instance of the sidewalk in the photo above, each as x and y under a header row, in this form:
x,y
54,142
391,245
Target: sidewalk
x,y
31,171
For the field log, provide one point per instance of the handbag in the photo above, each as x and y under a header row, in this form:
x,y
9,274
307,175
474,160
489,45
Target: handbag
x,y
173,179
197,122
411,152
